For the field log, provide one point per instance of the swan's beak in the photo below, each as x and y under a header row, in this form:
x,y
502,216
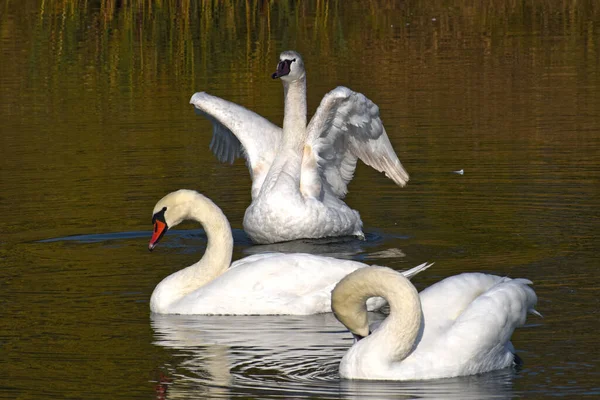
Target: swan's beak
x,y
283,68
160,228
357,338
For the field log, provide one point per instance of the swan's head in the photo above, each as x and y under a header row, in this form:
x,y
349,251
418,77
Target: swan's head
x,y
170,211
349,303
290,67
349,297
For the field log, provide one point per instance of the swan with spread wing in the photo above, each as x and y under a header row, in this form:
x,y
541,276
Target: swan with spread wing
x,y
300,173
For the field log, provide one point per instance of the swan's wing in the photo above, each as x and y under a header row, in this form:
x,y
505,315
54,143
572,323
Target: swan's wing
x,y
223,144
346,126
447,299
276,283
236,131
473,315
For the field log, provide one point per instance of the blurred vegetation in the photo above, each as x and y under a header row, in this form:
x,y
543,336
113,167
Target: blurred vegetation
x,y
88,88
95,127
131,41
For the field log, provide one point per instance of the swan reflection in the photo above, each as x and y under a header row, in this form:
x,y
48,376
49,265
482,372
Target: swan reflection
x,y
491,385
340,247
287,356
346,247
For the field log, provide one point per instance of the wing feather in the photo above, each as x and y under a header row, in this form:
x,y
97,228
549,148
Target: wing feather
x,y
238,131
225,146
347,127
475,314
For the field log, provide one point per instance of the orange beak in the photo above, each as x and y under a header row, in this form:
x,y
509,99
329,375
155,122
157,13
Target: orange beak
x,y
160,228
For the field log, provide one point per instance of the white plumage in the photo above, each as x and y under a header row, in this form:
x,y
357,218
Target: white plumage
x,y
459,326
270,283
300,173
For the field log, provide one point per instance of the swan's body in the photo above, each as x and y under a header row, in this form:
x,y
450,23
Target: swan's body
x,y
300,173
271,283
459,326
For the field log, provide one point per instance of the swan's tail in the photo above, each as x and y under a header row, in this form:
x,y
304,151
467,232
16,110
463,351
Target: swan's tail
x,y
418,269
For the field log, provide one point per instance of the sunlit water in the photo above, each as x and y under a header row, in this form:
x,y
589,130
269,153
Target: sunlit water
x,y
95,127
291,357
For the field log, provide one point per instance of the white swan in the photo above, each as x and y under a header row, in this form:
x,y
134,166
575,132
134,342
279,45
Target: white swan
x,y
459,326
270,283
300,174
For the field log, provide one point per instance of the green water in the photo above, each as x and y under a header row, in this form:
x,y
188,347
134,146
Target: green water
x,y
95,127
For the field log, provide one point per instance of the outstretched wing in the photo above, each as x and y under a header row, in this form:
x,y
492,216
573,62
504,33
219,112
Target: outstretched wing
x,y
236,131
346,126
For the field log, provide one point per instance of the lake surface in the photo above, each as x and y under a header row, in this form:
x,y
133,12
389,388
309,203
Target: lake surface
x,y
95,127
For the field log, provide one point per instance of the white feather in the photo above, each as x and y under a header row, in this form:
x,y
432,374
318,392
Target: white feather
x,y
459,326
269,283
301,173
237,131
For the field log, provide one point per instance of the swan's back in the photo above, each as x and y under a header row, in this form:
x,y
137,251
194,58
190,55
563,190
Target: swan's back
x,y
271,283
469,319
446,300
454,301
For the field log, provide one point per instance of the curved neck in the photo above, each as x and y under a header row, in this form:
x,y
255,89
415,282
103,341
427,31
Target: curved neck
x,y
219,247
396,336
215,261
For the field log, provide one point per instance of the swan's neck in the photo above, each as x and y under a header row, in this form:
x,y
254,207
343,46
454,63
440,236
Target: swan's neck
x,y
398,334
213,263
294,121
395,338
285,170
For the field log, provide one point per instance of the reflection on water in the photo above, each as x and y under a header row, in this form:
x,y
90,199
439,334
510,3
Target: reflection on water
x,y
492,385
339,247
96,127
291,356
195,239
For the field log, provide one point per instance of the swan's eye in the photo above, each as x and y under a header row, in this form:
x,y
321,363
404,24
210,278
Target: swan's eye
x,y
159,216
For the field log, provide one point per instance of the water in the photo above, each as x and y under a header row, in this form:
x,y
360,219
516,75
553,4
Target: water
x,y
96,127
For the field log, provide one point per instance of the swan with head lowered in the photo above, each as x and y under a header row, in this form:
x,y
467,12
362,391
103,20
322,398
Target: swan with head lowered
x,y
459,326
269,283
300,173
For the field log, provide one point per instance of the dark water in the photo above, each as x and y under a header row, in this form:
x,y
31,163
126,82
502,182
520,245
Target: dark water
x,y
95,127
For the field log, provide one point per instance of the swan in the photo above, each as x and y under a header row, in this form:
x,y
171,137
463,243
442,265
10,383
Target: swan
x,y
269,283
459,326
300,173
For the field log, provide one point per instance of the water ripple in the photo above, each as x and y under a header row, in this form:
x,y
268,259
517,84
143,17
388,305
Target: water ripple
x,y
289,357
195,240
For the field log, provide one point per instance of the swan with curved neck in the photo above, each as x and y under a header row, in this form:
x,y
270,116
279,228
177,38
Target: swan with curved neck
x,y
459,326
269,283
300,173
